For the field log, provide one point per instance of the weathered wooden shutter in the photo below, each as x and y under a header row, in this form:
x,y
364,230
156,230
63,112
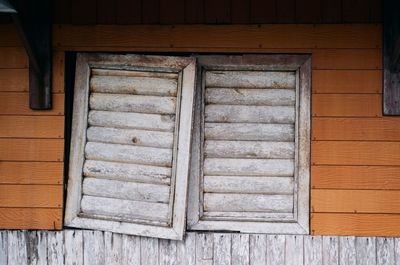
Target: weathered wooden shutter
x,y
130,144
250,161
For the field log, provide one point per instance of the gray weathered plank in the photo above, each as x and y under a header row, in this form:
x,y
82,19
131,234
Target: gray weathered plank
x,y
294,250
222,249
113,248
186,250
149,251
248,203
126,190
156,122
241,113
275,249
127,172
258,249
249,167
248,216
55,248
130,154
313,250
130,249
385,251
204,248
366,250
168,252
93,247
330,250
37,247
247,184
3,247
249,131
132,103
17,249
347,251
240,249
73,247
130,137
248,149
397,250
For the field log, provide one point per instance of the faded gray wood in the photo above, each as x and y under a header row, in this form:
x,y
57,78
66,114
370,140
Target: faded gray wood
x,y
330,250
250,79
248,184
186,250
37,248
126,190
275,249
248,216
222,249
168,252
113,248
130,249
130,137
17,248
149,251
397,250
73,247
127,172
385,251
55,248
93,247
240,96
313,250
294,245
258,249
248,203
240,249
347,251
3,247
204,248
249,131
366,250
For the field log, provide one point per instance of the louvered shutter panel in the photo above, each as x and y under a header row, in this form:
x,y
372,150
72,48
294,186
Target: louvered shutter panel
x,y
253,145
130,144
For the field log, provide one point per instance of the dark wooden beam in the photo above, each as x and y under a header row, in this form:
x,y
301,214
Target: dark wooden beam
x,y
391,58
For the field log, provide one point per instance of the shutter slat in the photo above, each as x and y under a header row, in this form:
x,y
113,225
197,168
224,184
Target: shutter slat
x,y
248,149
249,131
252,114
130,137
127,172
248,216
126,190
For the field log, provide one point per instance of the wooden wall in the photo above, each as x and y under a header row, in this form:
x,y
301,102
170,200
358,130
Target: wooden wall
x,y
355,150
31,144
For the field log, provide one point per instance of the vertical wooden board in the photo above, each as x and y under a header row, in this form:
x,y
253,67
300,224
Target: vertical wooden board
x,y
385,254
275,249
58,72
347,250
356,11
396,250
204,246
258,249
194,11
294,246
222,249
106,12
150,12
186,250
37,247
112,248
262,11
308,11
240,11
217,12
366,250
62,12
312,250
73,247
149,250
17,251
331,11
330,250
55,248
129,11
83,12
356,59
172,12
167,252
240,249
3,247
93,247
130,249
286,11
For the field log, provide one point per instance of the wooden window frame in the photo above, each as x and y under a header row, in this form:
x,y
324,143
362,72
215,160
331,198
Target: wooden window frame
x,y
187,66
301,64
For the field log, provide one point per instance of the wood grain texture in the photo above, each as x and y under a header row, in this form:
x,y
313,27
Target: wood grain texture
x,y
355,153
34,150
13,57
347,59
347,105
30,218
13,80
31,126
347,81
17,104
31,196
58,72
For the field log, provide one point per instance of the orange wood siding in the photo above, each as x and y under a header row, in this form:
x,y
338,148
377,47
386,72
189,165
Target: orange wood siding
x,y
31,144
355,173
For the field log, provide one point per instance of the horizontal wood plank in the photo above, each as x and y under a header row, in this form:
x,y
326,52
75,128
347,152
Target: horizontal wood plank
x,y
342,59
13,57
31,172
31,196
14,80
355,177
363,129
355,224
347,105
347,81
18,104
355,153
9,35
355,201
31,150
31,126
30,218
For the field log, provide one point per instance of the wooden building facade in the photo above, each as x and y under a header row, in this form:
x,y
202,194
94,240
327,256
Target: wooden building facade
x,y
355,149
